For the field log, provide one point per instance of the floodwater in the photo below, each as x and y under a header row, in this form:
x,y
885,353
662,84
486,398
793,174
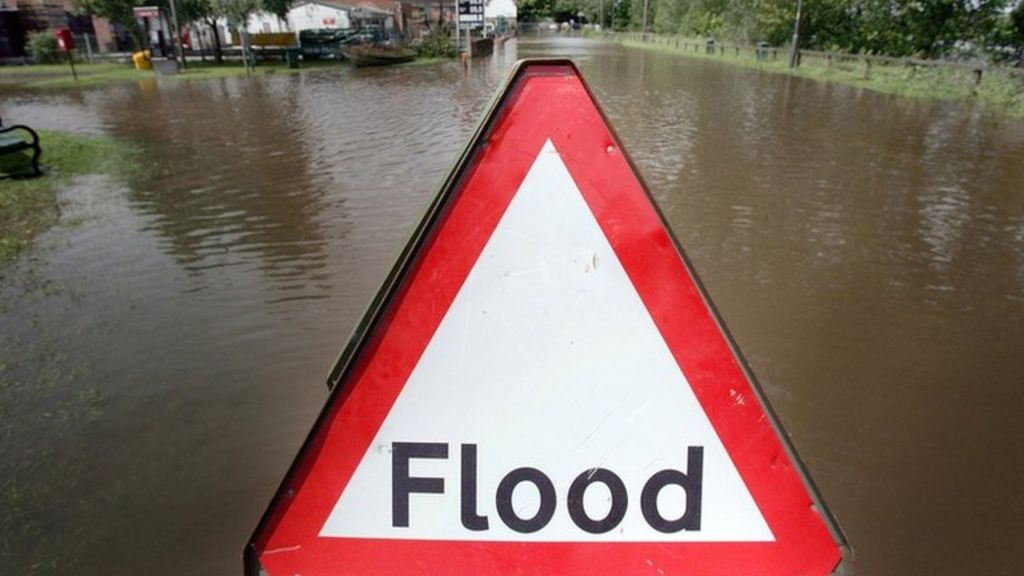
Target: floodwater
x,y
163,350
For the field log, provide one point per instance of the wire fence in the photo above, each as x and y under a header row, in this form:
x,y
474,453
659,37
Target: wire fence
x,y
971,73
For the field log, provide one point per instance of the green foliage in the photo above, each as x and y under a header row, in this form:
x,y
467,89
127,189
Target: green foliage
x,y
927,28
119,11
278,8
534,10
1014,32
195,10
437,44
236,12
43,48
622,14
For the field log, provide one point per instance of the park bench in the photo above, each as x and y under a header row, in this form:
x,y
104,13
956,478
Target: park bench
x,y
13,143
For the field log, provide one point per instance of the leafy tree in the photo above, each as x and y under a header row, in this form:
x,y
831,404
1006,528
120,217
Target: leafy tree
x,y
237,13
622,14
534,10
117,11
1015,31
278,8
202,11
565,10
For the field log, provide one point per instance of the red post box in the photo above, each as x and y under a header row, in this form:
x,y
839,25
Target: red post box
x,y
65,40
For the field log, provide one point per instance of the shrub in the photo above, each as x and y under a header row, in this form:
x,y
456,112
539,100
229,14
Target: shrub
x,y
43,47
437,44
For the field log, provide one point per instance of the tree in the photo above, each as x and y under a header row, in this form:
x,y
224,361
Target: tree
x,y
278,8
117,11
1016,31
202,11
237,13
622,14
533,10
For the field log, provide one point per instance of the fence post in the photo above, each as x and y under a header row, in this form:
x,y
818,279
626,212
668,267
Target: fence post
x,y
913,70
977,81
828,61
867,68
88,47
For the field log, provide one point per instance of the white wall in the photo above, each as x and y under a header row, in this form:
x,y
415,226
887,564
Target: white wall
x,y
302,17
266,22
259,22
313,16
495,8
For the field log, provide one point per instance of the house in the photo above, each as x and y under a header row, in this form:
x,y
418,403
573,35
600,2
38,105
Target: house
x,y
319,14
20,17
500,15
312,15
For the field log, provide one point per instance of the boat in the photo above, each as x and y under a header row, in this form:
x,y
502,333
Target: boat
x,y
378,55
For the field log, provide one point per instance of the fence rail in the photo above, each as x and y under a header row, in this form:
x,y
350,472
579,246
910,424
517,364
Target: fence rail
x,y
977,69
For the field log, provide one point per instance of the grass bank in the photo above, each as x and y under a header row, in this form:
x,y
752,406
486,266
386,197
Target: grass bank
x,y
998,91
29,206
58,76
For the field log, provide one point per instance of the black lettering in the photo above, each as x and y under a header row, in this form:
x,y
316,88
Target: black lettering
x,y
691,482
470,519
620,500
402,485
503,499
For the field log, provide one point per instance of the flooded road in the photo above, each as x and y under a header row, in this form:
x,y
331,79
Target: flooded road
x,y
163,350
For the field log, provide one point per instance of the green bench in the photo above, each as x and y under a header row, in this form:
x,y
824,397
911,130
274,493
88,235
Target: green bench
x,y
12,142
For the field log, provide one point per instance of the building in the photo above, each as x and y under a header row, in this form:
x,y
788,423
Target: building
x,y
320,14
12,34
18,18
500,15
317,14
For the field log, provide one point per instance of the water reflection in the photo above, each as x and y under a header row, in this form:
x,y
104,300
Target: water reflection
x,y
246,196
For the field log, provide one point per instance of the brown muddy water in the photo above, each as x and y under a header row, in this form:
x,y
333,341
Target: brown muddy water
x,y
163,350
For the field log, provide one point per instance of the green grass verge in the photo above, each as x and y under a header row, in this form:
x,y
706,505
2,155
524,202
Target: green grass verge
x,y
58,76
29,206
999,92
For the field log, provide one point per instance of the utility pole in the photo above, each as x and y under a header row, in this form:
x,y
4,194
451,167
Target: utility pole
x,y
602,16
458,43
645,19
177,32
794,52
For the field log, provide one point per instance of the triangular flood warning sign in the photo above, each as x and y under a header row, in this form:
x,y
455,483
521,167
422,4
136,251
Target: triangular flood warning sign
x,y
548,358
542,388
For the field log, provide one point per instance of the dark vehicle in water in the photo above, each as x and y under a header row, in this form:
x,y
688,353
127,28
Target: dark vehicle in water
x,y
323,44
367,55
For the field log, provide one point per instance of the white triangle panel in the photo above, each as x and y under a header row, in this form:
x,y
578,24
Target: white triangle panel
x,y
547,359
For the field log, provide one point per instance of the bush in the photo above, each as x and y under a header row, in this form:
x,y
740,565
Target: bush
x,y
437,44
43,47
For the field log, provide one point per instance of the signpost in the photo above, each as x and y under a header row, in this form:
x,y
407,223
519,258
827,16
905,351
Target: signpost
x,y
471,12
543,387
66,42
143,12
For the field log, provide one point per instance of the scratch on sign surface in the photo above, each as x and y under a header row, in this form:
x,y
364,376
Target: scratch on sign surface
x,y
282,549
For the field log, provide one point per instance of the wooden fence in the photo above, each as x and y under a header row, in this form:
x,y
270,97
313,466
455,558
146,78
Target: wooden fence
x,y
976,71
